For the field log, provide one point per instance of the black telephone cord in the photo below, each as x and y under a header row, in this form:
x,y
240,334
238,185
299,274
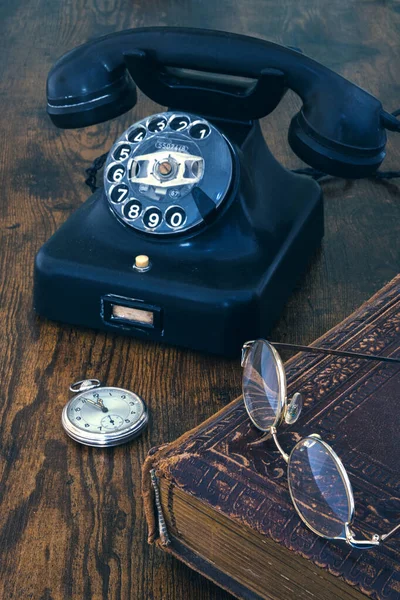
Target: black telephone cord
x,y
92,171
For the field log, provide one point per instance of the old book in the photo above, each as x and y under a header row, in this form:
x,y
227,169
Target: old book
x,y
225,497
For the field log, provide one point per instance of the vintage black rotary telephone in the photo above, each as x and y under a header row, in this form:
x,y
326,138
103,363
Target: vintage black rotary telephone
x,y
199,233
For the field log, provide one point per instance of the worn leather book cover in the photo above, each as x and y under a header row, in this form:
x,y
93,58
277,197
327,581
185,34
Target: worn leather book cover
x,y
224,493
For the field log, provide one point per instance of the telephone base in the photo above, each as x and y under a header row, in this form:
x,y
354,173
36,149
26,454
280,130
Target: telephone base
x,y
81,279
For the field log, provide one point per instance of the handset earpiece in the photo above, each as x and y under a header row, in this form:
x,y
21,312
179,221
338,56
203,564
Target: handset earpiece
x,y
339,129
86,87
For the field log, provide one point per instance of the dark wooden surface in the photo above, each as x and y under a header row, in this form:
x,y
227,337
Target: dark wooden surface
x,y
71,518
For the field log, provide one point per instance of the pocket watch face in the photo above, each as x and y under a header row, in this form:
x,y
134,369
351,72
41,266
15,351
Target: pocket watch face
x,y
104,416
168,173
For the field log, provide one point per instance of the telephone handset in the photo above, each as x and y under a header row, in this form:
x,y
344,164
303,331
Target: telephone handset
x,y
226,229
340,128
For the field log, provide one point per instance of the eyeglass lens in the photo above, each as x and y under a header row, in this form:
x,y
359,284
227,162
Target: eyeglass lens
x,y
261,386
318,488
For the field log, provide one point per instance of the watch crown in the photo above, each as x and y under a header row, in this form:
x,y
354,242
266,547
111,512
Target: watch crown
x,y
84,385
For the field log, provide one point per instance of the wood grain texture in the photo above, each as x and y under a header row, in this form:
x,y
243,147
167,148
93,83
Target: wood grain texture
x,y
71,518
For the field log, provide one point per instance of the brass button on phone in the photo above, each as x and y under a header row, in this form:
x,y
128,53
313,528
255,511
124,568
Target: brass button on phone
x,y
142,261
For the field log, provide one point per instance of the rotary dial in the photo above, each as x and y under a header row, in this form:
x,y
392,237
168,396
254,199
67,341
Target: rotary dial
x,y
168,173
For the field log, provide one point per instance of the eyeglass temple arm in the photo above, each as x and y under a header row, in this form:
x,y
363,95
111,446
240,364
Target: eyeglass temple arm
x,y
326,351
375,541
388,535
318,350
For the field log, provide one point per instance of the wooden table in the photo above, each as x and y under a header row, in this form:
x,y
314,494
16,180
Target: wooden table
x,y
71,518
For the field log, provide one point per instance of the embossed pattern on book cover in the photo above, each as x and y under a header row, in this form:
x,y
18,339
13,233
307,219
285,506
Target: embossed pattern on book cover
x,y
355,406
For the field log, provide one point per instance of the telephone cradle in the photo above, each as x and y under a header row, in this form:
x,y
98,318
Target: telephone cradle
x,y
199,234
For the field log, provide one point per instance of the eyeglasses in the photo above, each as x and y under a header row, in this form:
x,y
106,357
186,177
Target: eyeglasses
x,y
318,482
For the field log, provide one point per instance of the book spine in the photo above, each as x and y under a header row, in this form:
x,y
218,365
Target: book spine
x,y
162,526
157,529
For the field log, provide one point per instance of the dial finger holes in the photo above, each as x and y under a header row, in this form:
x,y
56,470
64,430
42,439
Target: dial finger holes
x,y
122,152
199,131
175,217
116,173
137,134
179,123
157,124
152,217
119,193
132,210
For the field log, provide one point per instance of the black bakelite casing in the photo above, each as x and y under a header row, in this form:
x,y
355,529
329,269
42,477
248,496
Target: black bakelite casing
x,y
211,289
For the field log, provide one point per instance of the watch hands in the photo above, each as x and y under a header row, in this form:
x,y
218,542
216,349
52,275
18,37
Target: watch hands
x,y
112,422
97,403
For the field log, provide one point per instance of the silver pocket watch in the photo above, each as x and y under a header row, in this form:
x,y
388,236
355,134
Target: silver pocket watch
x,y
103,416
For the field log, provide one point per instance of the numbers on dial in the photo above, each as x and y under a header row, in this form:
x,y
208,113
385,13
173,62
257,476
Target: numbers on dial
x,y
119,193
132,210
179,123
158,124
152,218
137,135
122,152
200,131
175,217
116,173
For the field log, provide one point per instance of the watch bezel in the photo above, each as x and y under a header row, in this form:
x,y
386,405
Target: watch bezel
x,y
104,440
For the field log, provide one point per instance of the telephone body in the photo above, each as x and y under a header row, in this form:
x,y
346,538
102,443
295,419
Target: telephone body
x,y
226,228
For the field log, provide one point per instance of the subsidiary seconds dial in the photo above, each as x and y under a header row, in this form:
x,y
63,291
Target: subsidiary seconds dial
x,y
103,416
